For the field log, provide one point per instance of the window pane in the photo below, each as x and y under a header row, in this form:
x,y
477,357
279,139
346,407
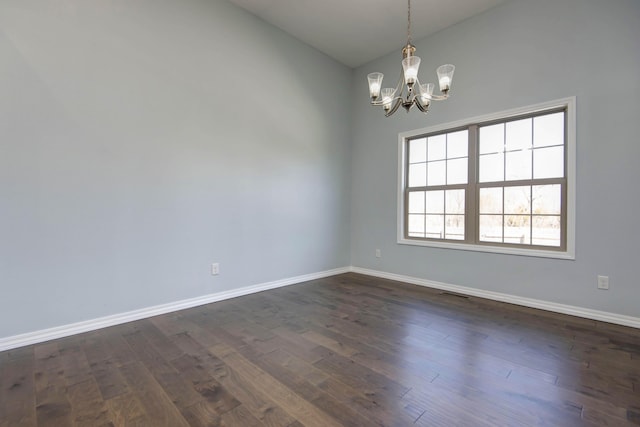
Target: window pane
x,y
437,173
517,229
491,167
457,144
518,165
517,200
418,150
491,228
435,202
548,162
418,175
457,171
547,199
435,226
491,200
492,139
546,230
416,202
518,134
437,147
454,201
454,227
416,225
548,130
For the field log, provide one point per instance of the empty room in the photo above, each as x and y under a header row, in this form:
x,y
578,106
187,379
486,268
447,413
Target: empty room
x,y
332,213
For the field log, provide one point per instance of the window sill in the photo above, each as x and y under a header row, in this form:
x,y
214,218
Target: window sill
x,y
538,253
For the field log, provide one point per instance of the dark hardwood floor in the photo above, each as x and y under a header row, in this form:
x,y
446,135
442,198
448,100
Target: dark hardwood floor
x,y
349,350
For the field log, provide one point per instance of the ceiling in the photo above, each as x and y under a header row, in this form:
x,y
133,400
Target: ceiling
x,y
355,32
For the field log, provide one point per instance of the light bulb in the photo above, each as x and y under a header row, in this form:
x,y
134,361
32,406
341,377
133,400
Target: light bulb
x,y
375,83
445,82
374,89
411,75
410,65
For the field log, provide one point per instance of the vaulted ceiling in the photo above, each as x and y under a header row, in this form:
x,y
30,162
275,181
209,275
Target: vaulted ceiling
x,y
355,32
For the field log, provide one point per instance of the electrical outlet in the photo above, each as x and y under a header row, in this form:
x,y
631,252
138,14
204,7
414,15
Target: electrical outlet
x,y
603,282
378,253
215,269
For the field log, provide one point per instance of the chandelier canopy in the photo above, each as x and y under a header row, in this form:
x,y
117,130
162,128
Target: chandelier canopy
x,y
418,94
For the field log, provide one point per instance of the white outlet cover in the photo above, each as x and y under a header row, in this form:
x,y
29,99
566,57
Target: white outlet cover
x,y
603,282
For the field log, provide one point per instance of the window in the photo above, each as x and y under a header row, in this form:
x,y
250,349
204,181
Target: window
x,y
500,183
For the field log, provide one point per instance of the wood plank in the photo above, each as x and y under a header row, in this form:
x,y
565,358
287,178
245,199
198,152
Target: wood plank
x,y
288,400
158,408
109,378
378,412
303,388
17,392
240,416
200,365
126,409
52,401
361,377
75,365
88,408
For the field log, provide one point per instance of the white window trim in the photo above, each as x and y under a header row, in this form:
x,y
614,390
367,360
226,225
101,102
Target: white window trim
x,y
569,253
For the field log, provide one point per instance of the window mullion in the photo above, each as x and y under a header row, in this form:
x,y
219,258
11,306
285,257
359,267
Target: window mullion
x,y
471,203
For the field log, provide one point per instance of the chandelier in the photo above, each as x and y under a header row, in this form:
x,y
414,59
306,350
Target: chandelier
x,y
416,94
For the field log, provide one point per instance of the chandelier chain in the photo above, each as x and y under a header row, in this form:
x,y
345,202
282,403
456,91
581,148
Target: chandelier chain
x,y
409,22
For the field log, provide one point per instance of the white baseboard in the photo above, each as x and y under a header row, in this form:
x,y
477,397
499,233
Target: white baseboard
x,y
587,313
36,337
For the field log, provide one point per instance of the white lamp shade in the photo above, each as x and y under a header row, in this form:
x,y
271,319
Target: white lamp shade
x,y
387,97
445,76
375,84
410,65
426,90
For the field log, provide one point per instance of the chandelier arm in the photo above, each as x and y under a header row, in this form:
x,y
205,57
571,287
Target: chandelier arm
x,y
437,97
395,107
432,97
380,103
416,89
400,85
421,107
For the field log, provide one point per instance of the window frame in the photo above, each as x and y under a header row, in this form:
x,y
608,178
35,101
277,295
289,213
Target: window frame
x,y
567,249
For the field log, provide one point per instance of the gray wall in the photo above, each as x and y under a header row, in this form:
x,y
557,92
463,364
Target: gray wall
x,y
521,53
140,141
